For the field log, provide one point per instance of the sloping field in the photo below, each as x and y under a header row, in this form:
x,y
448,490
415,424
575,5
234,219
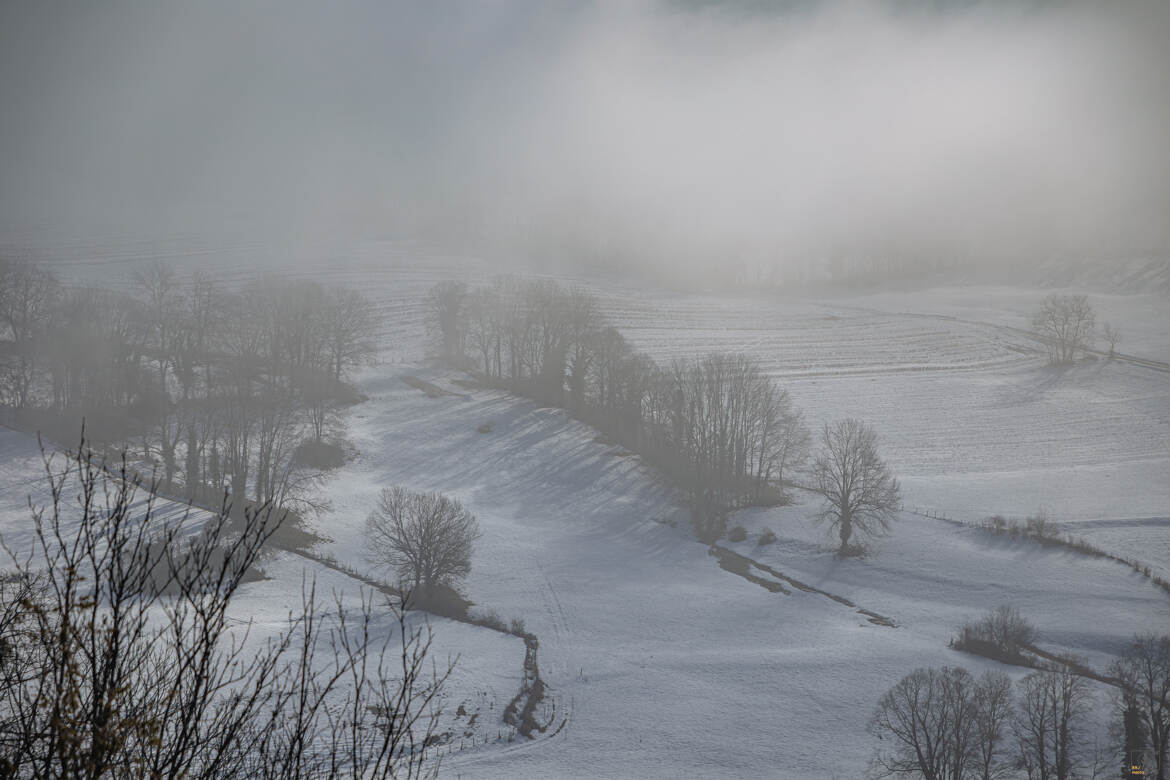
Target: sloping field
x,y
970,415
1144,317
794,339
489,670
659,662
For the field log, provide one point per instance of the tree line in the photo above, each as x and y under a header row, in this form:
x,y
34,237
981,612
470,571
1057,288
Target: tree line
x,y
219,387
718,426
945,724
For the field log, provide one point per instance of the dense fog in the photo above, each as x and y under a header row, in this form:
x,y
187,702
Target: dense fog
x,y
518,388
664,135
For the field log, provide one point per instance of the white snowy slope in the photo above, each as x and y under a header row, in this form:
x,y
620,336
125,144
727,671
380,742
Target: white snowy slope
x,y
969,414
659,662
488,665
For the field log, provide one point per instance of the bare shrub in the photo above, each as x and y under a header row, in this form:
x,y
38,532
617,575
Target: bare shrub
x,y
1002,633
1038,526
318,454
490,619
1006,628
767,536
737,534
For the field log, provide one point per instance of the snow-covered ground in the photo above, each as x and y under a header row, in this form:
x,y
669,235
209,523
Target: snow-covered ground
x,y
659,662
973,420
488,665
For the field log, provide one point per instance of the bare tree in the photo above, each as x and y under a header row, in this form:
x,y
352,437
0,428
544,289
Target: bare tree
x,y
97,351
993,711
784,440
426,537
611,352
484,315
27,298
929,719
583,321
163,301
1144,672
446,317
859,490
1112,335
1065,322
349,322
128,663
1049,722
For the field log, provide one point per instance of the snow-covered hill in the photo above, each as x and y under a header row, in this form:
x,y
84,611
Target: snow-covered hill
x,y
659,662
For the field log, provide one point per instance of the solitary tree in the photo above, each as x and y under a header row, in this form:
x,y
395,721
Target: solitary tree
x,y
860,492
1112,335
425,537
1144,672
1065,322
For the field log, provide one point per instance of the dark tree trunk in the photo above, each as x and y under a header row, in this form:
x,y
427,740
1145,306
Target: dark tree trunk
x,y
845,530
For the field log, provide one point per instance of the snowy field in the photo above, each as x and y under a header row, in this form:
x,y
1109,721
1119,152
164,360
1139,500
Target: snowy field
x,y
659,662
488,670
646,641
969,413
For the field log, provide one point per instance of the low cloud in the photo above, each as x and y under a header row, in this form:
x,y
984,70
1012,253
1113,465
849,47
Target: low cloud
x,y
674,136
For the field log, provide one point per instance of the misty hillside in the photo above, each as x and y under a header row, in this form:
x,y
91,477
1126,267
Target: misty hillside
x,y
509,389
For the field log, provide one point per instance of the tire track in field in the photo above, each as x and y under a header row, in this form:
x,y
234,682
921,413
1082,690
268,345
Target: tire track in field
x,y
1031,338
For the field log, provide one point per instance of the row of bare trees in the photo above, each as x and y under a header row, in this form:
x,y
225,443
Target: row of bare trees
x,y
719,425
944,724
218,387
122,653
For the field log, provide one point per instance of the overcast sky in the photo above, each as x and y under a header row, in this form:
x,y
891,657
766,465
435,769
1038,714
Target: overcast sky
x,y
666,132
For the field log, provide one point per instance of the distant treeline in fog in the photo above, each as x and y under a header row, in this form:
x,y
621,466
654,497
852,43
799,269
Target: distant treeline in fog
x,y
718,427
217,388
